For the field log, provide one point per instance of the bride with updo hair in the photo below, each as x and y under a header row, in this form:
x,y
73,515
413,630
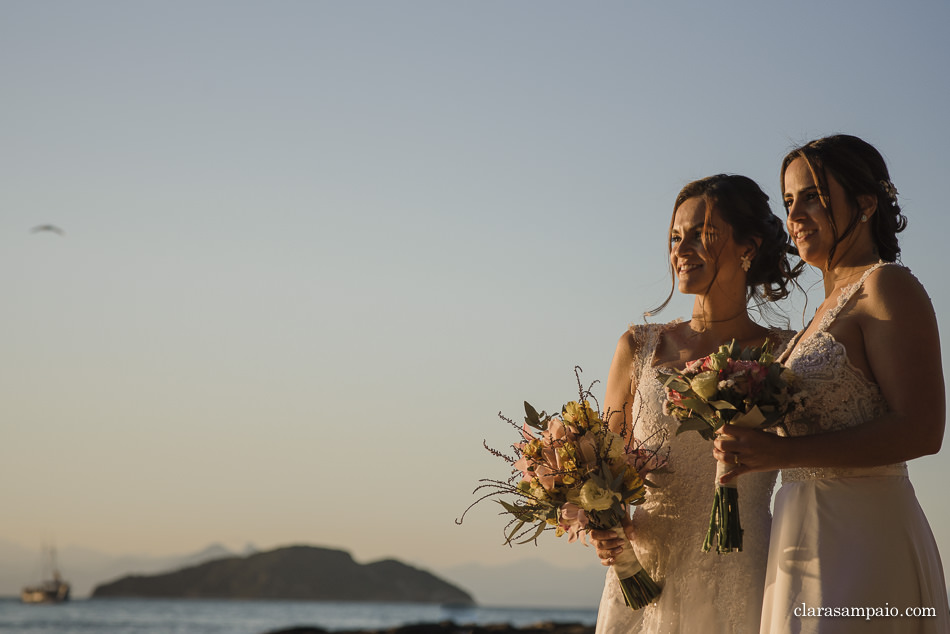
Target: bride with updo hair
x,y
729,251
851,550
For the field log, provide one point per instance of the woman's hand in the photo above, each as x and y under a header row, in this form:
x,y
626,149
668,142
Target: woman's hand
x,y
747,450
608,545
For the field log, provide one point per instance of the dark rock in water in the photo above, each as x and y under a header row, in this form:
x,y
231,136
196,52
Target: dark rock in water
x,y
295,572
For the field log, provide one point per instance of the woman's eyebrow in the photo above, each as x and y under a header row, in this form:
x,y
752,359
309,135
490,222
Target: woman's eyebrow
x,y
694,228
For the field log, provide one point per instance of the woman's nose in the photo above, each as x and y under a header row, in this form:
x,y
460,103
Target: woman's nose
x,y
681,246
794,210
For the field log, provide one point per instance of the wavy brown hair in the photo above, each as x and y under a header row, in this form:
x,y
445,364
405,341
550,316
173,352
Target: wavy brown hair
x,y
861,171
743,205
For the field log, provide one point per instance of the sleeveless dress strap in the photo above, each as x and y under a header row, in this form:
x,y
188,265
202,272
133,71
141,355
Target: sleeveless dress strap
x,y
647,336
846,294
782,358
829,317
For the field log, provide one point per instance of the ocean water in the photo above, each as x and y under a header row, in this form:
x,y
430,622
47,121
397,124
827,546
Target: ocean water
x,y
199,616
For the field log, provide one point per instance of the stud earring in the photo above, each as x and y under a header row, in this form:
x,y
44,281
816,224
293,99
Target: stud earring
x,y
864,217
746,262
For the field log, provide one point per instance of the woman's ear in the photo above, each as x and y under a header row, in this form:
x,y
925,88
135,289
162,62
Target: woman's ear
x,y
867,205
748,254
753,247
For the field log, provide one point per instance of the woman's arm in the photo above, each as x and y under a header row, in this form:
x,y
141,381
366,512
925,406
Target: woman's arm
x,y
901,346
618,399
621,382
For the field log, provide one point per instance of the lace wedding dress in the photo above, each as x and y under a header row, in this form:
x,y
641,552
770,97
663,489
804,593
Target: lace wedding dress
x,y
847,538
702,592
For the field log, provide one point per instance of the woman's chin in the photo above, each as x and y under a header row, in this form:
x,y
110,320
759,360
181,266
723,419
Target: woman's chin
x,y
691,287
813,257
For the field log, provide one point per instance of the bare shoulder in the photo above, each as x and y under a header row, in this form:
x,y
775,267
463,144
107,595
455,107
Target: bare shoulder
x,y
623,362
892,291
639,335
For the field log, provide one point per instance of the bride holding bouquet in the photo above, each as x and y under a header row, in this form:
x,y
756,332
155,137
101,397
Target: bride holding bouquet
x,y
726,248
851,549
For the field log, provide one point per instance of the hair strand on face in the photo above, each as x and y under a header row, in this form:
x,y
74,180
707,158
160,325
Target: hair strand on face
x,y
861,171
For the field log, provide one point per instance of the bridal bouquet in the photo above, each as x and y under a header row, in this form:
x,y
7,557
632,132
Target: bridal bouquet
x,y
570,474
750,389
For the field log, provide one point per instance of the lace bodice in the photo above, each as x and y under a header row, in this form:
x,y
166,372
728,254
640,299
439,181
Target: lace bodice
x,y
671,524
837,395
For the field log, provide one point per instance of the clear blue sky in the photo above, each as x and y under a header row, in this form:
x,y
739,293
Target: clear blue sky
x,y
312,248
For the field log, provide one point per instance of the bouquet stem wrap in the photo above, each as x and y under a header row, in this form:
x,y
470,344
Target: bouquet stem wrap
x,y
749,389
724,527
638,588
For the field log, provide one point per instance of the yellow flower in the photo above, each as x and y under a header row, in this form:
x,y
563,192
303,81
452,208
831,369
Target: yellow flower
x,y
572,412
532,449
538,490
632,479
581,415
533,488
565,457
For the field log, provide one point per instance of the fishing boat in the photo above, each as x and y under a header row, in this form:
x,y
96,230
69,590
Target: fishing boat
x,y
52,590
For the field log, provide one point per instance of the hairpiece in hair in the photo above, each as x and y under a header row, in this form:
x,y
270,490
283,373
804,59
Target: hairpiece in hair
x,y
890,190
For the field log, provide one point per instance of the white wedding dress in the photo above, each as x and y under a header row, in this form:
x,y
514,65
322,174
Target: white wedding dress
x,y
702,593
847,538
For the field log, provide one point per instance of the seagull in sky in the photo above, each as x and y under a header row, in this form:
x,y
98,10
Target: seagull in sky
x,y
52,228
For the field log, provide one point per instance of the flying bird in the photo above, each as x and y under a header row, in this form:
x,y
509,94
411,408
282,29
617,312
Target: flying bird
x,y
52,228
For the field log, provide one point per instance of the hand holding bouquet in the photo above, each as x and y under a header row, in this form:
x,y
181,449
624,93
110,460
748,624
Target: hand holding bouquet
x,y
750,389
571,474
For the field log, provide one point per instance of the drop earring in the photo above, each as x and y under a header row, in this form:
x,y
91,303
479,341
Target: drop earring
x,y
746,262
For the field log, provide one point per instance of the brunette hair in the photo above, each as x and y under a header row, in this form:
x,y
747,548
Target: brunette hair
x,y
861,171
743,205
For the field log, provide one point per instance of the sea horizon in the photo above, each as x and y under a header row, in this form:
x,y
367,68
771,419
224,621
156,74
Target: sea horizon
x,y
257,616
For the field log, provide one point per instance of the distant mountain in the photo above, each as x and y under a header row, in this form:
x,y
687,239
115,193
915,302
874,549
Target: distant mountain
x,y
524,582
295,572
84,568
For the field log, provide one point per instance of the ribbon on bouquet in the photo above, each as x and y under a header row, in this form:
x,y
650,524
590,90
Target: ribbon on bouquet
x,y
725,529
638,588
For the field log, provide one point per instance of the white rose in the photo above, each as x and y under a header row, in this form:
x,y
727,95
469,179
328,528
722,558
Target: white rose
x,y
594,498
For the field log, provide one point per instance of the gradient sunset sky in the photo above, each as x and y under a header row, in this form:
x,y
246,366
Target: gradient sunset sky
x,y
312,249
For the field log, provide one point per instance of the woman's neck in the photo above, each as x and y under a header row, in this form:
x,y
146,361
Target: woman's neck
x,y
844,273
853,259
717,322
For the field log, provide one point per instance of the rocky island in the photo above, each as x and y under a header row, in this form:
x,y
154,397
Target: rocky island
x,y
294,572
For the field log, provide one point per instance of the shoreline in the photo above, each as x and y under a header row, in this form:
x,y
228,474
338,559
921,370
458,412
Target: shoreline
x,y
450,627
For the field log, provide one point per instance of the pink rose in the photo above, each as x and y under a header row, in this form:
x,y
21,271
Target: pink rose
x,y
574,520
